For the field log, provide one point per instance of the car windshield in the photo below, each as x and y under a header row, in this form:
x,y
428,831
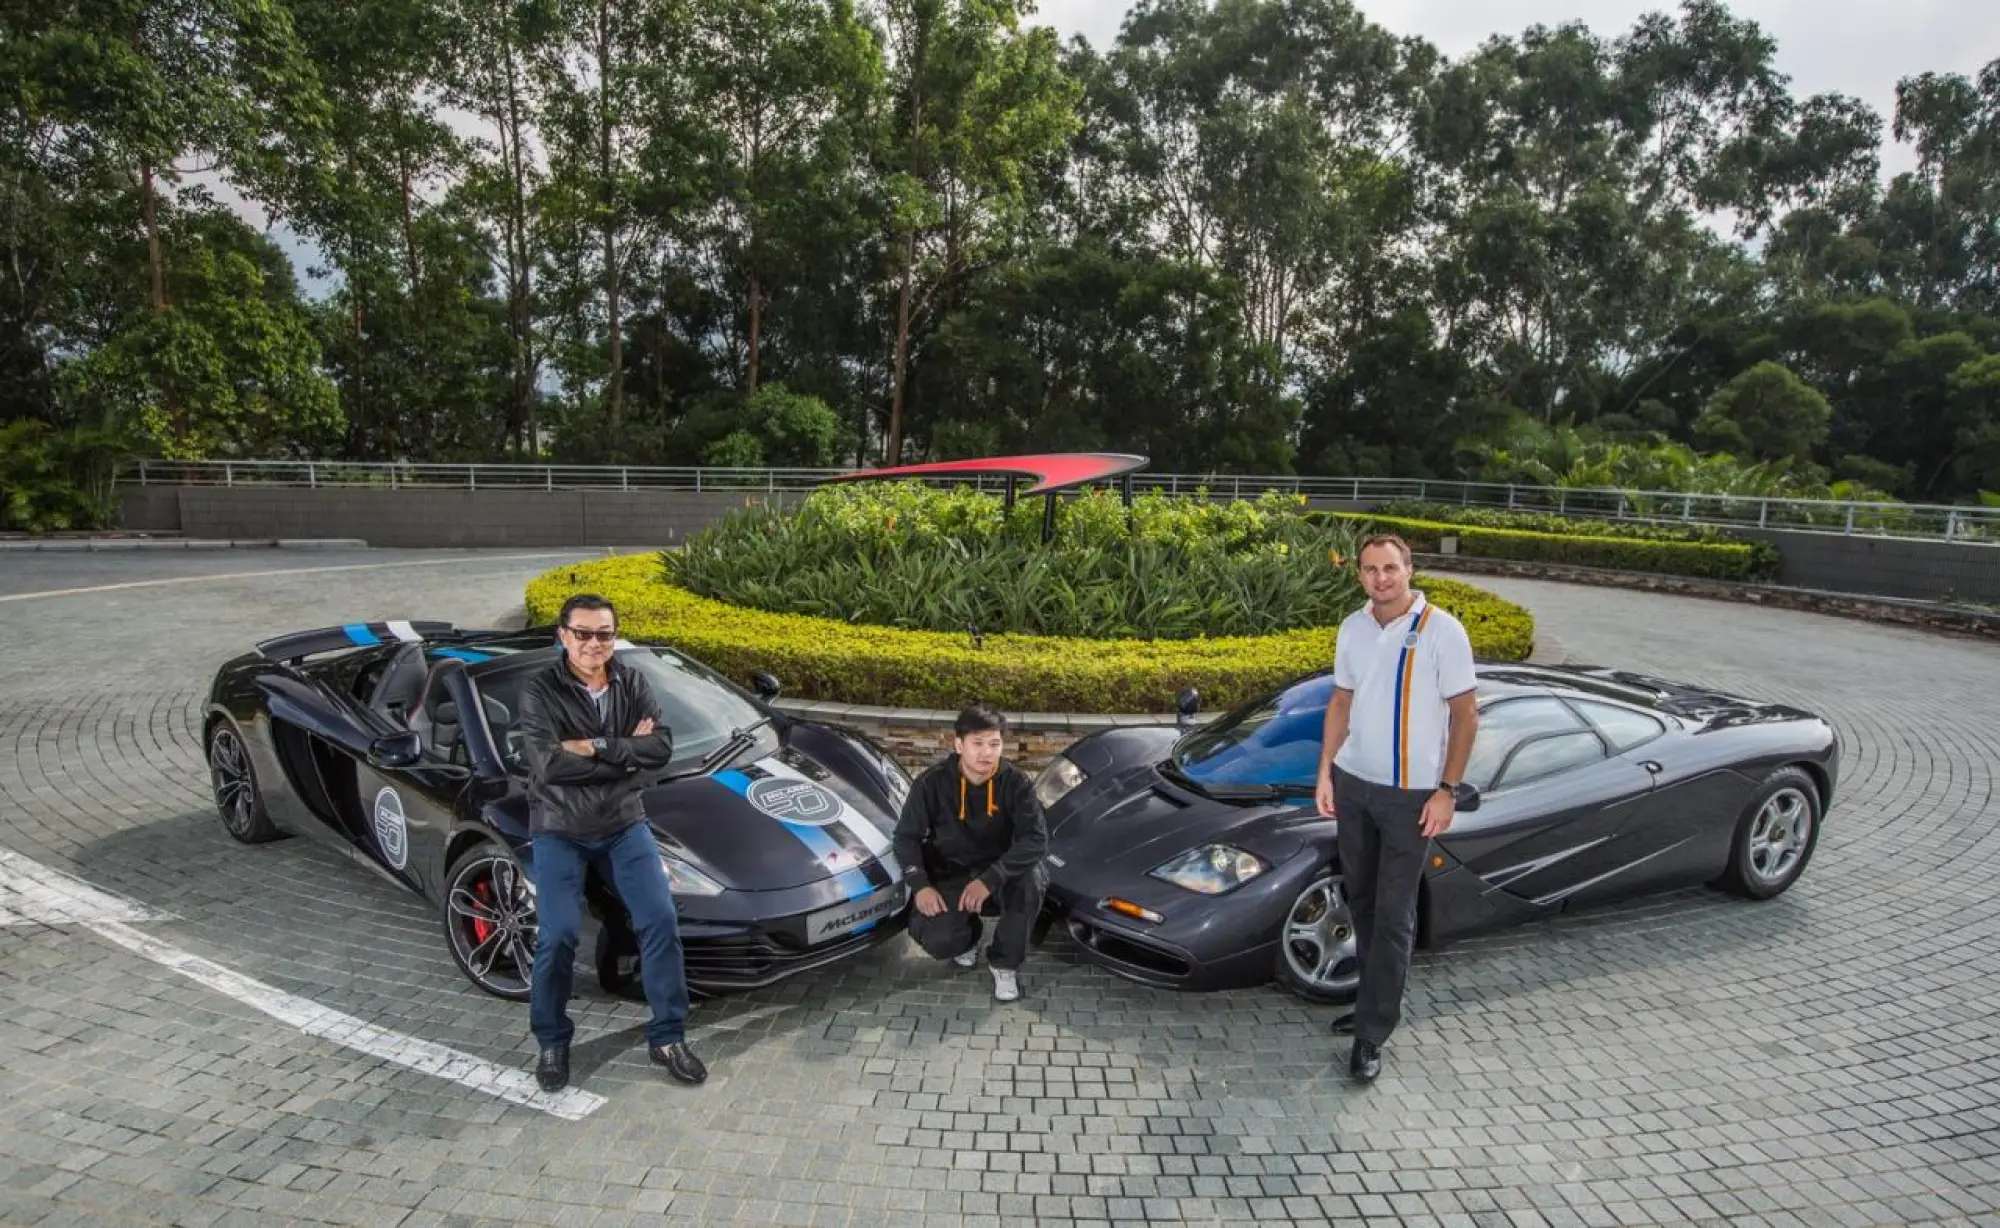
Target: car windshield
x,y
1272,742
695,705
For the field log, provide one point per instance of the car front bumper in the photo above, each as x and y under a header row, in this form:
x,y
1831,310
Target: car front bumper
x,y
1202,943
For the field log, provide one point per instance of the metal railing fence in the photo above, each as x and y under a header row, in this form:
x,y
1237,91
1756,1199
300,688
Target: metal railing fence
x,y
1955,523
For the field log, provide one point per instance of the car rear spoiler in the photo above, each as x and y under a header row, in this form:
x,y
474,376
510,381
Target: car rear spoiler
x,y
301,644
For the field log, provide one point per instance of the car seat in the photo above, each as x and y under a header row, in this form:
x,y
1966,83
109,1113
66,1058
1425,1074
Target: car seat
x,y
402,683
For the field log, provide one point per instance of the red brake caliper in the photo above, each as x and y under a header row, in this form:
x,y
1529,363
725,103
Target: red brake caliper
x,y
484,891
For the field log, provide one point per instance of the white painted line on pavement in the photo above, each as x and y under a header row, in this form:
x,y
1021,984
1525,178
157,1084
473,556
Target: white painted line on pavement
x,y
34,894
298,571
513,1086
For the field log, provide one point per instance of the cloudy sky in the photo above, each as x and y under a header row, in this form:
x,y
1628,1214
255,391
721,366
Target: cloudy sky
x,y
1857,47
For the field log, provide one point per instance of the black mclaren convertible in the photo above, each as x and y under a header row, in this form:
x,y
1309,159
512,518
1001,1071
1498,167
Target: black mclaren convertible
x,y
393,743
1195,859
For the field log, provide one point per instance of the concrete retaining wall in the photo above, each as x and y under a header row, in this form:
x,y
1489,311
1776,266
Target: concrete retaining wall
x,y
421,517
1886,566
435,518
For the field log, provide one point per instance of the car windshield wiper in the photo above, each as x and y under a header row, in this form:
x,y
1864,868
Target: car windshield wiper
x,y
739,740
1173,771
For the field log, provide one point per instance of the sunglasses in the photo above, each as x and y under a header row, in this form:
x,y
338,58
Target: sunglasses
x,y
587,634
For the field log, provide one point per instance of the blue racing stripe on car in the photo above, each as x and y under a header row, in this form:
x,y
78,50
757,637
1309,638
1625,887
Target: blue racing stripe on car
x,y
825,850
462,654
359,633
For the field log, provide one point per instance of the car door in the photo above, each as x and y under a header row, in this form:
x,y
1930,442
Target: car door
x,y
410,807
1649,848
372,791
1554,799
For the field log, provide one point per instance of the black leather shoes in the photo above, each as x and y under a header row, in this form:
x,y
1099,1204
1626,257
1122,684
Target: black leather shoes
x,y
1365,1062
680,1061
552,1072
1343,1026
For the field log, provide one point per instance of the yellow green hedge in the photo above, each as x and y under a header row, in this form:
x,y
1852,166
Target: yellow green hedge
x,y
1717,560
820,658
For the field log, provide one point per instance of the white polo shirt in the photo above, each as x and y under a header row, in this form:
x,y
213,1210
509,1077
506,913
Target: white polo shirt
x,y
1402,676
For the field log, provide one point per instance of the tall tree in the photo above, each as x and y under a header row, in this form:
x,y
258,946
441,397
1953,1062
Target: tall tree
x,y
783,89
492,75
978,101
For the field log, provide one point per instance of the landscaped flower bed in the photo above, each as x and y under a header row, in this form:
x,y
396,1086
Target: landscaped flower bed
x,y
1190,570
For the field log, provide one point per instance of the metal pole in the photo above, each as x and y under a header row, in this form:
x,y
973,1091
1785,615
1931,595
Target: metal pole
x,y
624,478
1048,517
1951,524
228,474
1850,518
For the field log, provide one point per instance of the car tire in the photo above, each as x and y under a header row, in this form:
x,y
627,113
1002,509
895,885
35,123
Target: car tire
x,y
1316,957
233,780
1775,837
489,920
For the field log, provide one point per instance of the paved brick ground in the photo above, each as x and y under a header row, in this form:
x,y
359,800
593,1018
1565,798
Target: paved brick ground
x,y
1831,1057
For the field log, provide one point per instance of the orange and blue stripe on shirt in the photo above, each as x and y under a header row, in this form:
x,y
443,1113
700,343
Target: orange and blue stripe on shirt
x,y
1399,734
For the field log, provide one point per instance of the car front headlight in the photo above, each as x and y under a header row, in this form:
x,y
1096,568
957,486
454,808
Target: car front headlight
x,y
1212,869
686,880
899,782
1056,780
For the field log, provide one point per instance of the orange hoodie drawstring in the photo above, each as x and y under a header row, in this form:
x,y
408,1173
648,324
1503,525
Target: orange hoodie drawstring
x,y
991,808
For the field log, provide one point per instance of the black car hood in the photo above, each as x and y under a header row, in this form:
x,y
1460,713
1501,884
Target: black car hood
x,y
780,822
1137,820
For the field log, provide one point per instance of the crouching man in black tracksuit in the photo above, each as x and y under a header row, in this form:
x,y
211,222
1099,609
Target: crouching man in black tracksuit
x,y
971,830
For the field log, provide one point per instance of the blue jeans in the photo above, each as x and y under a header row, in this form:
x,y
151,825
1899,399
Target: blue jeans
x,y
631,859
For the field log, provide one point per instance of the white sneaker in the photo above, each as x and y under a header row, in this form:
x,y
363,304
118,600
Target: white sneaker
x,y
968,959
1005,988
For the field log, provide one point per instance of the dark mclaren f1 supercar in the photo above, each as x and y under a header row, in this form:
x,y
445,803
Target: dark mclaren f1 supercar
x,y
1194,858
393,742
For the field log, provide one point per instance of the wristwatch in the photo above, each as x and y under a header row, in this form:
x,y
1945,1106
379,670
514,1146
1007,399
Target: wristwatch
x,y
597,744
1446,786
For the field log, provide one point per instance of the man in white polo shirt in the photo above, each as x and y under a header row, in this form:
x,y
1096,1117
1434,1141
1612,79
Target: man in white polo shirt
x,y
1398,733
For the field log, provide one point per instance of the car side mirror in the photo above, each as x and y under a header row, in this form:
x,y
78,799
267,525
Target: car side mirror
x,y
1465,798
768,687
396,750
1186,704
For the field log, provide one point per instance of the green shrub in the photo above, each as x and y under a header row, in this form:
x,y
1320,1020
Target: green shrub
x,y
1715,560
820,658
54,480
1550,522
906,556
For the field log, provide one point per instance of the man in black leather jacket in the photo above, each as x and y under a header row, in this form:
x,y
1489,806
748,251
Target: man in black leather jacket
x,y
591,727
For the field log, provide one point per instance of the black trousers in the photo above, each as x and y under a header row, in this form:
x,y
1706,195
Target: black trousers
x,y
953,932
1382,849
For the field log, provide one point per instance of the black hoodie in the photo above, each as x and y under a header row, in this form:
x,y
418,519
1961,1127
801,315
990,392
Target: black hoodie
x,y
951,828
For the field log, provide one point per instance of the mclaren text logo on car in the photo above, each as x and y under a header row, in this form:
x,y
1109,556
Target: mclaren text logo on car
x,y
392,828
853,916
